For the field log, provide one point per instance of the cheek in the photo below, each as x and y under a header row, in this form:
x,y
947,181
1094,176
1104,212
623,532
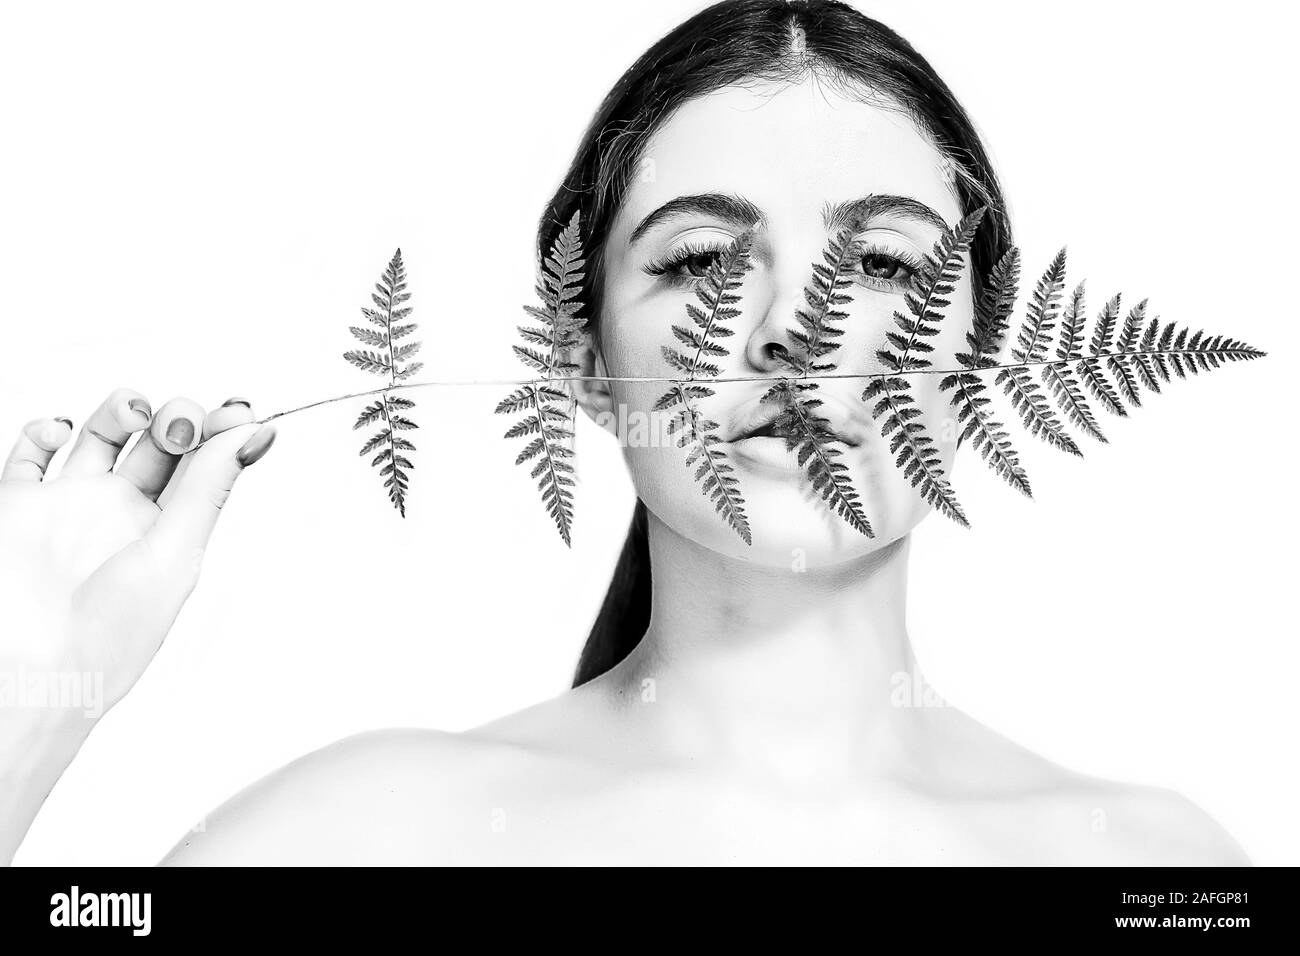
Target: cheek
x,y
631,340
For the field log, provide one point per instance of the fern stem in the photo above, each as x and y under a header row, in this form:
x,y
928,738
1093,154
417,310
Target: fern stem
x,y
663,380
383,399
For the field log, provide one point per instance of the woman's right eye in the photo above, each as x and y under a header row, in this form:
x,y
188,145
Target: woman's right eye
x,y
699,263
686,265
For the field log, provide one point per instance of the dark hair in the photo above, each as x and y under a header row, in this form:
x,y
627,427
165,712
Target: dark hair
x,y
728,43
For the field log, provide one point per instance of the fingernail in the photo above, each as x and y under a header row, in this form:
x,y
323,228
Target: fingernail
x,y
236,401
256,447
180,432
66,421
141,407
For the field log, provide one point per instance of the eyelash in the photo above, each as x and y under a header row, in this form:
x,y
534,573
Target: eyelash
x,y
895,257
670,265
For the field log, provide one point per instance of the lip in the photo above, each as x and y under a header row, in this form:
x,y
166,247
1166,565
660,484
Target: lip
x,y
840,419
768,453
771,454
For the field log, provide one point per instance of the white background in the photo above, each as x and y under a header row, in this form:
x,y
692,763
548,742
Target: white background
x,y
196,199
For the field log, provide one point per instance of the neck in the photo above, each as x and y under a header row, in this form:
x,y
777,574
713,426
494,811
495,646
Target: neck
x,y
798,672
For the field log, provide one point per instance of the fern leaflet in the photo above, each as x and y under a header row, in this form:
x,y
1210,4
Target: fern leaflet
x,y
1035,335
389,316
992,316
550,411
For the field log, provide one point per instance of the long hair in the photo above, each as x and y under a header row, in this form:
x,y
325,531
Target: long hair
x,y
727,43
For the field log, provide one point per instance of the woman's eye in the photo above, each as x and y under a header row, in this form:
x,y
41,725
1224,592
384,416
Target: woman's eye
x,y
883,270
698,264
881,266
685,266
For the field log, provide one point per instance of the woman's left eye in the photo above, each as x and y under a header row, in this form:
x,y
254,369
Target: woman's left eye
x,y
887,270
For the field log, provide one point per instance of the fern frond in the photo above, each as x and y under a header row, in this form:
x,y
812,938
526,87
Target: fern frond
x,y
1059,377
808,434
559,283
810,437
1090,367
993,312
991,321
1135,353
551,411
389,295
1026,397
554,469
1119,365
1145,363
713,470
819,320
1121,359
931,285
1040,320
718,293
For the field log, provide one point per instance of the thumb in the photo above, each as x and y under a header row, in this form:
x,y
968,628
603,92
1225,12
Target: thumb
x,y
192,510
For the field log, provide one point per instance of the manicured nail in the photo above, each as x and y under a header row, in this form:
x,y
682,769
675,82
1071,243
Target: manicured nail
x,y
236,401
180,432
66,421
141,407
256,446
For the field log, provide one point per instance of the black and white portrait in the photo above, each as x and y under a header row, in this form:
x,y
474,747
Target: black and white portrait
x,y
775,432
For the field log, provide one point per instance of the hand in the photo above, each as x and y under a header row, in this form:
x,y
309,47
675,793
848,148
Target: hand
x,y
96,562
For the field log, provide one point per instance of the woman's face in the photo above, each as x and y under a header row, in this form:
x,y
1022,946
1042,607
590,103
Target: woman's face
x,y
795,157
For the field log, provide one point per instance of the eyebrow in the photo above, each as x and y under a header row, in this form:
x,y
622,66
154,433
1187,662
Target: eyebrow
x,y
855,214
734,209
741,212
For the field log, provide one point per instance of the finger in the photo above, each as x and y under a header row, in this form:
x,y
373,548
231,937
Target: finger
x,y
105,432
36,445
152,460
182,531
233,411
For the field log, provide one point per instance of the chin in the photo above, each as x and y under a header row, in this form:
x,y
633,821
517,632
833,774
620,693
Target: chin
x,y
791,527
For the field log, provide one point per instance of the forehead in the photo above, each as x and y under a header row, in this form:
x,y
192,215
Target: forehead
x,y
789,149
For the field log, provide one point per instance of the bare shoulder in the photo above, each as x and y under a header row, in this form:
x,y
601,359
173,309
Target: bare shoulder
x,y
1043,812
392,796
406,795
1154,826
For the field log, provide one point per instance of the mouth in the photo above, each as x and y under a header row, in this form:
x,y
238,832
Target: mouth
x,y
782,428
765,434
771,423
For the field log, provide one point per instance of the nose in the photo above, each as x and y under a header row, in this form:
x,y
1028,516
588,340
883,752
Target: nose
x,y
769,346
768,355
